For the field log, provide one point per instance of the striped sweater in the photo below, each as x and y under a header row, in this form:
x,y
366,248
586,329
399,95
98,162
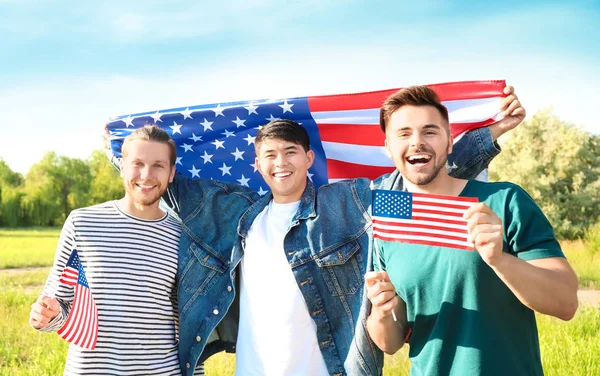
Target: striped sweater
x,y
131,267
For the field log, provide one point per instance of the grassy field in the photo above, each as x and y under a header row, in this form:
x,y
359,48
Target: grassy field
x,y
569,348
36,247
27,247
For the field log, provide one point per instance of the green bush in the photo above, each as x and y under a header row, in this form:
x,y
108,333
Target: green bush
x,y
592,236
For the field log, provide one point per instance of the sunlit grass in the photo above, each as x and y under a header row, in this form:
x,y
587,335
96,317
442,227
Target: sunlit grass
x,y
27,247
585,263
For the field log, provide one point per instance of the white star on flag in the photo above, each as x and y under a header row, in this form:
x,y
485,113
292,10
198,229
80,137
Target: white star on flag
x,y
128,121
207,125
156,116
218,110
225,169
218,144
286,107
243,181
249,139
271,118
186,147
238,154
239,122
195,172
178,161
228,133
261,191
251,108
207,157
187,113
176,128
195,138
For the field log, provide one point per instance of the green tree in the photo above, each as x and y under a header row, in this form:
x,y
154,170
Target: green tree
x,y
106,183
11,213
54,187
558,164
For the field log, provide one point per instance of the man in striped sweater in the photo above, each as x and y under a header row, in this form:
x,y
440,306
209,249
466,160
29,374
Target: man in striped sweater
x,y
128,250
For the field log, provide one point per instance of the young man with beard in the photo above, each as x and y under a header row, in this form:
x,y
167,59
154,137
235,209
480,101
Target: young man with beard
x,y
128,250
299,301
466,313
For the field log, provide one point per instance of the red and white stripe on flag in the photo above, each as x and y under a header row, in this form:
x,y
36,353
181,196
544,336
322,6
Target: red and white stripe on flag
x,y
433,220
81,327
352,139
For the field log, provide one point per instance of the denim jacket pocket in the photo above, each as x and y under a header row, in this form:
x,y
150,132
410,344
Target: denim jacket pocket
x,y
202,271
340,269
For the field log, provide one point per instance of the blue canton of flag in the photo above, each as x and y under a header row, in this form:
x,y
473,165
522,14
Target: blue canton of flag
x,y
217,142
393,204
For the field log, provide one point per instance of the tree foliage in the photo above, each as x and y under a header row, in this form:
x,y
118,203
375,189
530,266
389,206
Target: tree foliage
x,y
558,164
54,187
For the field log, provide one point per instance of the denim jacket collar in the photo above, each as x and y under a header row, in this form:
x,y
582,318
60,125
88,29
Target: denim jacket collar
x,y
305,210
392,182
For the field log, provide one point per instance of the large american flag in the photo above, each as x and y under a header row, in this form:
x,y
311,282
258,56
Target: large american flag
x,y
420,218
216,141
81,327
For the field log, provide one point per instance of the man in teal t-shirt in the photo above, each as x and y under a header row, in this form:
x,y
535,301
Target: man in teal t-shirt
x,y
464,312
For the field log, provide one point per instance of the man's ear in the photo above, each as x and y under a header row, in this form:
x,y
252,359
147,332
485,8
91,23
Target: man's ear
x,y
121,167
172,175
387,149
450,143
257,164
311,158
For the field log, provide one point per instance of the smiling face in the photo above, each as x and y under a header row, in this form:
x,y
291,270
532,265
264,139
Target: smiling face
x,y
418,141
146,171
284,165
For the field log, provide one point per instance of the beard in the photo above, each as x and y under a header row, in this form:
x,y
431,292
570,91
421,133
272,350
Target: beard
x,y
144,199
425,177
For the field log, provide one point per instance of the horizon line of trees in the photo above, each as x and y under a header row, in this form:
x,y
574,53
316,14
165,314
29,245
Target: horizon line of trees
x,y
557,163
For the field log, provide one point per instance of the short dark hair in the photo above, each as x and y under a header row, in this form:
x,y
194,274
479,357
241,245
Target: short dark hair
x,y
151,132
283,129
411,96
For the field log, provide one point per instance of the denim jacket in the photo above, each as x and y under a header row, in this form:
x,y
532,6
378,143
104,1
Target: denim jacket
x,y
328,246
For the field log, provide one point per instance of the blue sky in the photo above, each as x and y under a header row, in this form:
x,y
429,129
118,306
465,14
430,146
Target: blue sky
x,y
67,66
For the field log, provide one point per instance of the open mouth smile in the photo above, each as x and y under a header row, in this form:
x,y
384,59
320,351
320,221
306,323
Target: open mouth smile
x,y
418,159
281,174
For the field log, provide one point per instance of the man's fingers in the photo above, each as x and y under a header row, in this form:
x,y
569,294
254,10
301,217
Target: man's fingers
x,y
508,89
512,107
50,303
477,208
378,288
519,112
506,101
372,277
381,299
480,234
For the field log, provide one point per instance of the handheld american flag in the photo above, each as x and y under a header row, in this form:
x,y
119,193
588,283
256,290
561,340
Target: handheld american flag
x,y
216,141
81,327
420,218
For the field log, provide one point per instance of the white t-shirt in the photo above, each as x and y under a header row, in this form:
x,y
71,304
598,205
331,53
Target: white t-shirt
x,y
276,336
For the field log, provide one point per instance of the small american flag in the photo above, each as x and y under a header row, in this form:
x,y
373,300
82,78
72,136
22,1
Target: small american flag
x,y
81,327
216,141
420,218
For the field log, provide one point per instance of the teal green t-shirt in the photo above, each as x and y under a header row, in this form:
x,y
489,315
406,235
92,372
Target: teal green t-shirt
x,y
463,318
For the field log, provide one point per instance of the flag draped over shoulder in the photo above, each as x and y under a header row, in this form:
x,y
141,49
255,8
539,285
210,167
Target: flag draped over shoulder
x,y
420,218
216,141
81,327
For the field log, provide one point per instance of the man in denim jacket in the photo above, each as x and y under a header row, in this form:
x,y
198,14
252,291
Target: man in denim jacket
x,y
327,248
